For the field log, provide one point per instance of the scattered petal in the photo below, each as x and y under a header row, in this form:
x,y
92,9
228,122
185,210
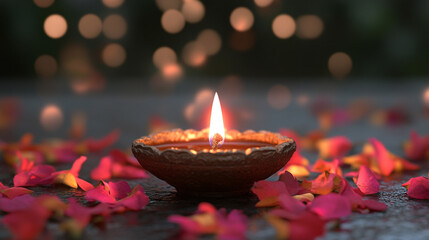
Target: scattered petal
x,y
331,206
366,181
418,188
335,147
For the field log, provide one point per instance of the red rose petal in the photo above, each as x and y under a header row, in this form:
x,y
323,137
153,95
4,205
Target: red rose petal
x,y
264,189
99,194
374,205
367,181
308,226
119,189
26,224
385,163
290,204
84,185
335,147
418,188
136,200
17,204
291,183
75,169
103,143
103,170
128,172
331,206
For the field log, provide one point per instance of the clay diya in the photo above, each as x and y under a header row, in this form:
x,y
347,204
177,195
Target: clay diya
x,y
212,162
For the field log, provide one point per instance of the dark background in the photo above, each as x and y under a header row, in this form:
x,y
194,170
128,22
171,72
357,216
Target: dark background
x,y
385,39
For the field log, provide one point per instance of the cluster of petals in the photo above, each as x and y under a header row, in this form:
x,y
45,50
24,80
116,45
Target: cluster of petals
x,y
209,220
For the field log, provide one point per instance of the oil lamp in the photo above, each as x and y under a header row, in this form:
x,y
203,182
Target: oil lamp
x,y
213,162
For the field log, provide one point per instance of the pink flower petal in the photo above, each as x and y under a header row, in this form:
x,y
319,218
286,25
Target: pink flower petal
x,y
99,194
417,147
374,205
119,189
128,172
26,224
418,188
16,204
307,226
15,192
335,147
84,185
290,204
264,189
77,165
291,183
232,225
103,170
136,200
367,181
103,143
385,162
331,206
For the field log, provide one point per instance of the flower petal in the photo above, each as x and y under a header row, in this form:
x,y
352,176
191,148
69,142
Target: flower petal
x,y
335,147
15,192
137,200
77,165
103,143
264,189
418,188
103,170
367,181
99,194
119,189
17,204
331,206
382,156
306,226
290,182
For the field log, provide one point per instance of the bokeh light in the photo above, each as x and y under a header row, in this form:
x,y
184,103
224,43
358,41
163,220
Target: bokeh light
x,y
210,40
283,26
242,41
43,3
172,72
114,26
172,21
340,65
165,5
263,3
279,97
114,55
303,99
55,26
194,54
309,26
193,11
241,19
113,3
163,56
46,66
426,96
90,26
51,117
231,86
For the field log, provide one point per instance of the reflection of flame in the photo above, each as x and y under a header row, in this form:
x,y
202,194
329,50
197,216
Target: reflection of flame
x,y
217,130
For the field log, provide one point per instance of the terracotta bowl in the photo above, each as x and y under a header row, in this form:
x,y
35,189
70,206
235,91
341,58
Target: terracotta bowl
x,y
184,159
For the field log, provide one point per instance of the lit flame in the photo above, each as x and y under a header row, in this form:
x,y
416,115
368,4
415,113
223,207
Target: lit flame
x,y
217,130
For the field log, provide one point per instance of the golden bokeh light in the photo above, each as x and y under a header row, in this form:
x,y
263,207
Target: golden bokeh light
x,y
165,5
112,3
90,26
210,40
51,117
279,97
113,55
172,72
43,3
284,26
241,19
263,3
189,112
55,26
194,54
193,11
163,56
172,21
114,26
426,96
309,26
340,65
204,95
46,66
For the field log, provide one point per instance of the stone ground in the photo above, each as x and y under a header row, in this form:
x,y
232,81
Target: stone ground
x,y
125,108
